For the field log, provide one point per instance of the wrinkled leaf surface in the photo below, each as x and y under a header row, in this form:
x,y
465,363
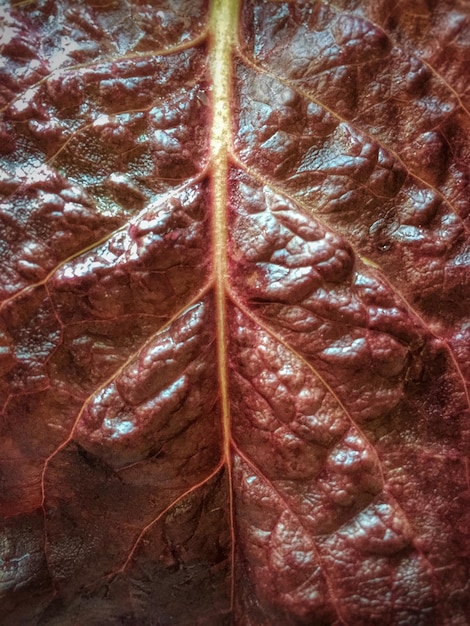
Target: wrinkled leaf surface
x,y
234,332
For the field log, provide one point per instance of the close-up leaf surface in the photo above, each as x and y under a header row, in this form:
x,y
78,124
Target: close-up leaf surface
x,y
234,330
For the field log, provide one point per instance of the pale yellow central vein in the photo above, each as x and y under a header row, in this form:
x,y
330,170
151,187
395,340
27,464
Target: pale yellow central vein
x,y
223,31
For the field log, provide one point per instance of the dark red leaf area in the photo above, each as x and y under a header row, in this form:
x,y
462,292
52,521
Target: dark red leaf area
x,y
274,437
439,31
379,413
112,136
150,433
64,340
369,138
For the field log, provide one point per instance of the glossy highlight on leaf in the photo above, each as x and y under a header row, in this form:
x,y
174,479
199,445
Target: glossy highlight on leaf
x,y
234,331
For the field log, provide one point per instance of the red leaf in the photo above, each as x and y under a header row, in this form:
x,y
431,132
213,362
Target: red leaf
x,y
234,336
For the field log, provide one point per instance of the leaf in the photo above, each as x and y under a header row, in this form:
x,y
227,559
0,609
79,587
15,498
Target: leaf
x,y
234,322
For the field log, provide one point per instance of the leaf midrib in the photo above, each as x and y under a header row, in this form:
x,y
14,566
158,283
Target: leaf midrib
x,y
223,27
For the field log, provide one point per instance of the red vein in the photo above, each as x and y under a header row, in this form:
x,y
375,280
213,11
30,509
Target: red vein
x,y
172,504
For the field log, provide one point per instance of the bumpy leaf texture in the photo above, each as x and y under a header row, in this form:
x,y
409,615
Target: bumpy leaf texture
x,y
233,338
